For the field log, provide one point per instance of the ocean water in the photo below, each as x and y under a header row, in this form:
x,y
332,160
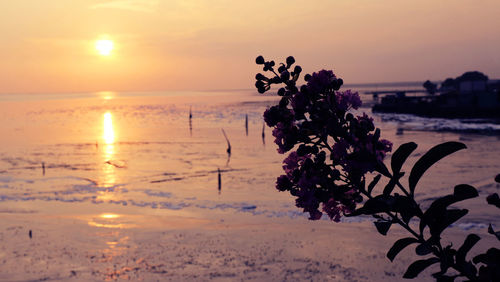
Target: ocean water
x,y
101,155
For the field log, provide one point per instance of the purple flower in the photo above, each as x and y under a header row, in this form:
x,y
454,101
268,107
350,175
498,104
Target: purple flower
x,y
272,116
366,122
292,162
339,150
348,99
320,81
283,183
333,209
300,101
308,181
384,146
285,137
322,174
309,203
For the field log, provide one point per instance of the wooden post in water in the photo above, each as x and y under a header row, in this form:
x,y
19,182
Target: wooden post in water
x,y
220,179
263,133
246,123
190,122
228,143
43,168
228,147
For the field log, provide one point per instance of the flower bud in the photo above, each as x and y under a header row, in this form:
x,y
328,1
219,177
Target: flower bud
x,y
285,75
302,150
281,92
290,60
259,60
307,77
260,76
283,102
297,70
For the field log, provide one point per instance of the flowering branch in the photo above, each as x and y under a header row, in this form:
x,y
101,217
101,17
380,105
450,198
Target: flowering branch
x,y
333,151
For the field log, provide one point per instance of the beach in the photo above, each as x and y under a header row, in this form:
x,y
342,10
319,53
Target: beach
x,y
124,186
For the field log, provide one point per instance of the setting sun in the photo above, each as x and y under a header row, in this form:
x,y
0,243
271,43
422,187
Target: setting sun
x,y
104,46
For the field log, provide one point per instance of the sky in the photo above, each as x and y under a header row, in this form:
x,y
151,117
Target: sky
x,y
159,45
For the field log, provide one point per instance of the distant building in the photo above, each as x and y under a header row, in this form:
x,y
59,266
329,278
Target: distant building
x,y
472,81
471,95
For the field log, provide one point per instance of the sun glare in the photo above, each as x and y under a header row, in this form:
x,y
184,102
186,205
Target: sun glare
x,y
104,46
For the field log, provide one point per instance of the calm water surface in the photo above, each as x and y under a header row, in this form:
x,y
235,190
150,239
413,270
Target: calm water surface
x,y
106,155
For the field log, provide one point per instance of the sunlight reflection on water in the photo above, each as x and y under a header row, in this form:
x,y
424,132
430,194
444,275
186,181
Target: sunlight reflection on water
x,y
109,220
108,177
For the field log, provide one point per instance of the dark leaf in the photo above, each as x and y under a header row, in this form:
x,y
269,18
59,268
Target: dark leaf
x,y
442,222
383,226
373,183
492,256
491,231
390,186
430,158
443,278
470,269
376,135
469,242
481,258
494,200
399,245
423,249
406,207
437,211
497,178
415,268
380,167
378,204
400,156
464,192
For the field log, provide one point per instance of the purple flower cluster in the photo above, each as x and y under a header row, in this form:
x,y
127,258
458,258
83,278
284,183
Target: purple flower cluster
x,y
334,148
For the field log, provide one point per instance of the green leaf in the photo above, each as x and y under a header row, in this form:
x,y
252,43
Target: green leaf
x,y
415,268
400,155
383,226
429,159
469,242
373,183
399,245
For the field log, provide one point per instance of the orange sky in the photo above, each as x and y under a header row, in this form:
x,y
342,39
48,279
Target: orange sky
x,y
48,46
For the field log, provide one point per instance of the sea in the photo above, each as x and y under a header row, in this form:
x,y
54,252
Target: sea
x,y
106,154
